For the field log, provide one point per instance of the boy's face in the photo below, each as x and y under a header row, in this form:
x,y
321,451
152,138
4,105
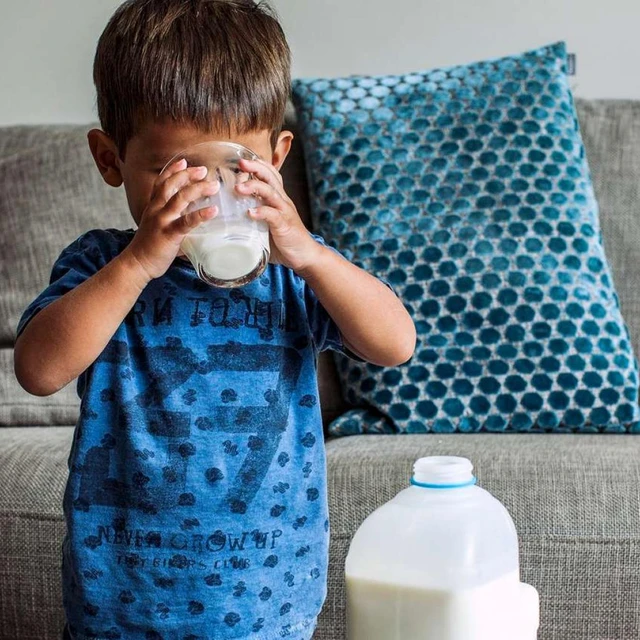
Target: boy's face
x,y
155,144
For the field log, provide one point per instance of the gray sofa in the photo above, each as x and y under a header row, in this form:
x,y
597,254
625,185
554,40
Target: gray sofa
x,y
575,499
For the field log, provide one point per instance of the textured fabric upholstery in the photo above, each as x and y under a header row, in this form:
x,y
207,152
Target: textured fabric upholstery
x,y
611,134
574,499
467,188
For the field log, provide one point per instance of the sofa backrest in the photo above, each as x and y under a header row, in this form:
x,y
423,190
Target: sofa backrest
x,y
611,133
51,192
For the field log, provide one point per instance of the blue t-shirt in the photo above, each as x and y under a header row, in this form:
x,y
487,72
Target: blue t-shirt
x,y
196,504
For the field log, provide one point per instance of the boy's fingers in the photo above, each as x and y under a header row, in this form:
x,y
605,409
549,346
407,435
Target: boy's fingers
x,y
273,217
174,167
191,220
164,190
269,194
263,170
172,188
185,196
167,172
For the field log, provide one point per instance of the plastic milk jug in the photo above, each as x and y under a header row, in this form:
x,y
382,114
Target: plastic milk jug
x,y
439,562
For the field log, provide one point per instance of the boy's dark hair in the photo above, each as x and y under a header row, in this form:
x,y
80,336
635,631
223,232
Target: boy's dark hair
x,y
221,65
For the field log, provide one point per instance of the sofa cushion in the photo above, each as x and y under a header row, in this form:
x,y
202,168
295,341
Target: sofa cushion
x,y
51,193
574,501
611,133
33,473
20,409
468,189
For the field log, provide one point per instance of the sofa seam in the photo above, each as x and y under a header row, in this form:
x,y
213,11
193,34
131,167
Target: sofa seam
x,y
26,515
559,538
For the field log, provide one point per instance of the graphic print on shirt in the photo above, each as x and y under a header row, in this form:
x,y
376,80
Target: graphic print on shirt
x,y
173,365
196,503
134,478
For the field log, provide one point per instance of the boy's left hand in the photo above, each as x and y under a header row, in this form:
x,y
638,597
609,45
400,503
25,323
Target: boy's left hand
x,y
290,242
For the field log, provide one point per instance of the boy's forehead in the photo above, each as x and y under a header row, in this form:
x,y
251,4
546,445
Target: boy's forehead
x,y
159,140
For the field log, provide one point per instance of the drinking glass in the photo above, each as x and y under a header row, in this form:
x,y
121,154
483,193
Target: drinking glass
x,y
231,249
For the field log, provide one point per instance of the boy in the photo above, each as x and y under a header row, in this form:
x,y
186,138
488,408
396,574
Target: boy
x,y
196,502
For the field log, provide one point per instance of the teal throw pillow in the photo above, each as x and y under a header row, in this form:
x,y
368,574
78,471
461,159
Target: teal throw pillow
x,y
468,190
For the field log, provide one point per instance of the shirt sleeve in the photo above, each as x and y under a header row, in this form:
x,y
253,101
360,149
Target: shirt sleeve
x,y
77,262
324,330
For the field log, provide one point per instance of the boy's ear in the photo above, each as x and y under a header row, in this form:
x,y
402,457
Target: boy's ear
x,y
283,146
105,155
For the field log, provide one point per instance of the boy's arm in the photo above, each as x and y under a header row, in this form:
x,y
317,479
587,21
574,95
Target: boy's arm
x,y
372,320
65,337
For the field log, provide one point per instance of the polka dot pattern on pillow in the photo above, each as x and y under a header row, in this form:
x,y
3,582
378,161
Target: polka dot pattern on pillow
x,y
468,190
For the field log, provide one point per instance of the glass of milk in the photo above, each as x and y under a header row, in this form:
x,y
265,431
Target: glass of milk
x,y
231,249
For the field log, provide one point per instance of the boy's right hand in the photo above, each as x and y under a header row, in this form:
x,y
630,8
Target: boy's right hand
x,y
162,225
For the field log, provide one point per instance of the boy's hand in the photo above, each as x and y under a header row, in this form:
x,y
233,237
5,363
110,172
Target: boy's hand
x,y
162,227
291,244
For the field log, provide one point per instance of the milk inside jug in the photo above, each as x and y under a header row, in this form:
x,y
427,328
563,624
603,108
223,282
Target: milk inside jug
x,y
439,562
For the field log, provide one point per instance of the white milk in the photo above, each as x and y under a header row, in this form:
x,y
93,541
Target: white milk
x,y
226,253
499,610
230,245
